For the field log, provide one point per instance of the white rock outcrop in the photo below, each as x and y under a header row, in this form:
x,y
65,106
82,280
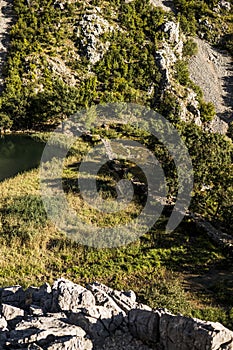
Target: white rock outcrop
x,y
91,27
71,317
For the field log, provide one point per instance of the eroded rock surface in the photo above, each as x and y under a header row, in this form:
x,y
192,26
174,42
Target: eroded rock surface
x,y
69,316
91,28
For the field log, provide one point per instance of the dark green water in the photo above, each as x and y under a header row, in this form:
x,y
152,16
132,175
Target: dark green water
x,y
18,153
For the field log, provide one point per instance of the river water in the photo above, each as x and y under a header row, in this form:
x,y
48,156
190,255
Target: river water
x,y
18,153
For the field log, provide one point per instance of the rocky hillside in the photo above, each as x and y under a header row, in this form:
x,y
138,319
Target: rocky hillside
x,y
66,55
69,316
82,54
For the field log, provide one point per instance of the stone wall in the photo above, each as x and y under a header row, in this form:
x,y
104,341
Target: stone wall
x,y
69,316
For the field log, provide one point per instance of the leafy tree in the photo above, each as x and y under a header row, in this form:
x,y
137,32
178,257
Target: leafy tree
x,y
212,162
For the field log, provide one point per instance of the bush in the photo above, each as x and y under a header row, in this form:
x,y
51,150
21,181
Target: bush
x,y
182,72
190,48
5,122
207,110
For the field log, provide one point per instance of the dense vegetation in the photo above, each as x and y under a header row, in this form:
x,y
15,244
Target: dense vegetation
x,y
49,77
208,20
44,36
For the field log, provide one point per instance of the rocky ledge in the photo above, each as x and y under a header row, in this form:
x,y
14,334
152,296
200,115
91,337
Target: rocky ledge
x,y
69,316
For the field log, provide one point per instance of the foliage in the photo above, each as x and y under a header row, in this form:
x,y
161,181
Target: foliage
x,y
212,161
207,110
190,48
5,122
230,130
38,95
38,91
182,72
201,17
227,42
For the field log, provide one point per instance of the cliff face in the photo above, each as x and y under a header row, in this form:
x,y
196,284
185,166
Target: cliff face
x,y
69,316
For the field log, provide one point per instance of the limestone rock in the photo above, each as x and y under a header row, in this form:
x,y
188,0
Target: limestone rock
x,y
189,110
11,312
144,325
3,324
223,5
40,297
67,296
120,301
187,333
166,59
217,125
59,4
69,343
101,318
96,322
167,56
35,310
123,341
45,331
14,296
92,26
172,29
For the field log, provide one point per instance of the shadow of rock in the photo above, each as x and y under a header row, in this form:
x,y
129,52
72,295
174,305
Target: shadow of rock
x,y
228,97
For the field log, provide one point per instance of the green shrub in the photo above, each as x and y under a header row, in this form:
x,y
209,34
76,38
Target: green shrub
x,y
182,72
230,130
190,48
5,122
207,110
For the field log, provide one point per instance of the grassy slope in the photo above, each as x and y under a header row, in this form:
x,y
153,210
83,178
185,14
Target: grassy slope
x,y
155,266
32,251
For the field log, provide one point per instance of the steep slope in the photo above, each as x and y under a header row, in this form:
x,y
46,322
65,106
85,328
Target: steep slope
x,y
91,55
212,70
